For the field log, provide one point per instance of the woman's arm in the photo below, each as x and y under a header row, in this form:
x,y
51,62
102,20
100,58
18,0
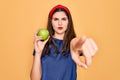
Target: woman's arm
x,y
36,71
36,68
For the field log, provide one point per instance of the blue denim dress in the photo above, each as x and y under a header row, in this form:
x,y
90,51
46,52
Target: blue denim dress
x,y
57,66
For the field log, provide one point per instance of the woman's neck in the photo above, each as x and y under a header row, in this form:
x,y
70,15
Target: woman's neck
x,y
59,36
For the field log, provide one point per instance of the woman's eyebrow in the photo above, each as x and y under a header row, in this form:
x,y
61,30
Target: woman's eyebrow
x,y
55,18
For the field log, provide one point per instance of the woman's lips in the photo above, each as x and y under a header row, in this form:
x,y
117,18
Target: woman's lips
x,y
60,28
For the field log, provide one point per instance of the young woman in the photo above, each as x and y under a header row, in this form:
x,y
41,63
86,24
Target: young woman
x,y
56,57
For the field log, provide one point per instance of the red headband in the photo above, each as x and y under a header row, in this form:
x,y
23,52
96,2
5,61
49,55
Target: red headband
x,y
56,7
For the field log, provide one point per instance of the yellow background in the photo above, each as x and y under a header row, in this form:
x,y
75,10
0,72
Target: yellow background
x,y
99,19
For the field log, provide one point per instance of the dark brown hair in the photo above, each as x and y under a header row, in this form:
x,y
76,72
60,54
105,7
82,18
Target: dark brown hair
x,y
69,35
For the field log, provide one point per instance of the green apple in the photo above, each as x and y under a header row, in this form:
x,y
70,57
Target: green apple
x,y
44,33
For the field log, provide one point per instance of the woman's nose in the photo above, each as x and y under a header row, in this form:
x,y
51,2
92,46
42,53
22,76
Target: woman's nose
x,y
59,22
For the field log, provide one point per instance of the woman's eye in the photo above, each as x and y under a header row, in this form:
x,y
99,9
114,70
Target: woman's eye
x,y
64,19
55,19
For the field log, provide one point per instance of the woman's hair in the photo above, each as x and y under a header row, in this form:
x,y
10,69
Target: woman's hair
x,y
69,34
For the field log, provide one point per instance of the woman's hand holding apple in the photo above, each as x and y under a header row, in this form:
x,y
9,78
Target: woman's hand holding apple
x,y
41,38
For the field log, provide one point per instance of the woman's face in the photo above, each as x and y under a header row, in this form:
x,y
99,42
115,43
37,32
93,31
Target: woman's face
x,y
59,22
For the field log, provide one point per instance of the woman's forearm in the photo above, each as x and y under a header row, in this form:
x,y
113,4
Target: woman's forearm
x,y
36,68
